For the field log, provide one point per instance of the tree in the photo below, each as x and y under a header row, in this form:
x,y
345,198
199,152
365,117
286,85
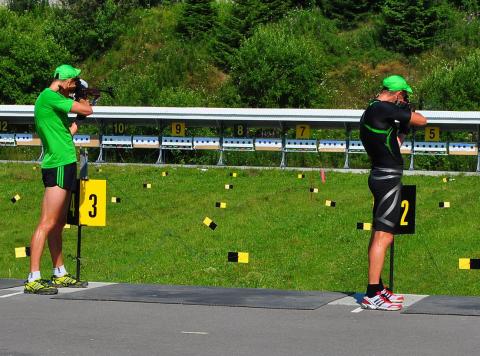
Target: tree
x,y
411,26
348,12
274,68
197,18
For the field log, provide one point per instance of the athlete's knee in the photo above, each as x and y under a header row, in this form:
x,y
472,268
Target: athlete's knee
x,y
48,225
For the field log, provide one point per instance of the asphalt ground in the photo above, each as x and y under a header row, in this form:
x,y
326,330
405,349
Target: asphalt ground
x,y
39,325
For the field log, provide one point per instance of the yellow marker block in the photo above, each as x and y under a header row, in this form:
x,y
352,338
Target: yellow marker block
x,y
209,222
464,263
444,204
164,174
301,176
15,198
364,226
147,185
234,175
243,257
221,205
21,252
228,186
314,190
115,200
67,226
330,203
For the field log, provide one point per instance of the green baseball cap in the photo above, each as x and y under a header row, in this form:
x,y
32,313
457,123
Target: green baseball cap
x,y
66,71
395,83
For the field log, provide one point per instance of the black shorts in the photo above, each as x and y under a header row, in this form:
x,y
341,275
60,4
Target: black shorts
x,y
64,176
386,187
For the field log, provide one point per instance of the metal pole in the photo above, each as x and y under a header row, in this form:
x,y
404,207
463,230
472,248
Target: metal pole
x,y
220,159
411,168
478,148
392,263
283,163
83,176
347,147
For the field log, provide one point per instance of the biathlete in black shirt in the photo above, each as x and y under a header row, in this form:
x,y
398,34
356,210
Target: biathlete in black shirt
x,y
382,139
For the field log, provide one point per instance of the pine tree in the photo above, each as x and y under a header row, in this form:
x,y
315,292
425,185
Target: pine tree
x,y
197,18
348,12
410,26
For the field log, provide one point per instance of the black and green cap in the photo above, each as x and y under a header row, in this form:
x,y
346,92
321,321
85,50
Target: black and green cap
x,y
396,83
66,71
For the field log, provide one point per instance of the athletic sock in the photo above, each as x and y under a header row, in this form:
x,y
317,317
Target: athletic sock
x,y
372,290
33,276
59,271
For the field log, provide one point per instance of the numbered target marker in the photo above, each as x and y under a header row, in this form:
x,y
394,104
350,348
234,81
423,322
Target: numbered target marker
x,y
21,252
209,222
228,186
220,205
469,263
330,203
444,204
119,128
364,226
15,198
238,257
314,190
178,129
432,134
302,132
406,225
240,130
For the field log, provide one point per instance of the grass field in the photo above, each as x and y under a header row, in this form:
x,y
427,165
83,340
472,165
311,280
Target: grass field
x,y
295,242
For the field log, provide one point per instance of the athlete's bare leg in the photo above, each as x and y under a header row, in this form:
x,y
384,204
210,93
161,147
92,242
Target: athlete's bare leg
x,y
52,220
377,249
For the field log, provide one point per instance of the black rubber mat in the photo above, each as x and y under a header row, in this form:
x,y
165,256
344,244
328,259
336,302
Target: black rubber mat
x,y
253,298
446,305
10,283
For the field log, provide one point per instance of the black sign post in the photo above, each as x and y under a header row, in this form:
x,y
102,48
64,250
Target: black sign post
x,y
406,224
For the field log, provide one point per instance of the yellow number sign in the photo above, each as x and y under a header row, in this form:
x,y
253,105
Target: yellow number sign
x,y
93,202
432,134
405,205
178,129
119,128
302,131
3,126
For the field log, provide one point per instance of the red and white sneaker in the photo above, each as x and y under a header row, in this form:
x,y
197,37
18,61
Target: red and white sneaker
x,y
379,302
394,298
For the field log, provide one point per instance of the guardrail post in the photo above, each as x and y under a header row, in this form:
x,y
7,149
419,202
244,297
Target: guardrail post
x,y
220,158
411,168
348,133
283,163
41,155
100,158
160,159
478,148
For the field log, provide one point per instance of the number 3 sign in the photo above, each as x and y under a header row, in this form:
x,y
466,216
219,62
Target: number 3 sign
x,y
88,203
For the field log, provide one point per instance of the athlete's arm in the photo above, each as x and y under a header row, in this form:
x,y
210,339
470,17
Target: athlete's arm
x,y
73,128
418,119
82,107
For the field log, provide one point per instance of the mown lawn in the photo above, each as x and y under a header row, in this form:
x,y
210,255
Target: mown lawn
x,y
295,242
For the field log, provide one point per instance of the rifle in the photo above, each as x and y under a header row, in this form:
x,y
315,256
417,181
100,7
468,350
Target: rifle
x,y
82,91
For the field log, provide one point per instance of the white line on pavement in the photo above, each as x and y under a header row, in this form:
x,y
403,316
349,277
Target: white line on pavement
x,y
195,332
11,294
358,310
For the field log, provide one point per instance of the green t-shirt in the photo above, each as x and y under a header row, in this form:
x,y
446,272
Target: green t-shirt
x,y
52,125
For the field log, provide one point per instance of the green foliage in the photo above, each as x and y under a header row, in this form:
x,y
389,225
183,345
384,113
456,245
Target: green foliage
x,y
86,27
411,26
28,57
348,12
454,87
197,19
277,69
26,5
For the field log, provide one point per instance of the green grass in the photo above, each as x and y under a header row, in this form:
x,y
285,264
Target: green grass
x,y
295,242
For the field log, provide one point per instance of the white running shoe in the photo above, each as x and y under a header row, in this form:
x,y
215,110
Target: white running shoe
x,y
379,302
394,298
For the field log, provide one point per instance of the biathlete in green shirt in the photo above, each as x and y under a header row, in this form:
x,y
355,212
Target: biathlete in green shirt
x,y
59,174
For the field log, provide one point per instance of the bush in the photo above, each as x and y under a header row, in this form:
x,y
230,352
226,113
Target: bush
x,y
453,87
197,19
28,57
277,69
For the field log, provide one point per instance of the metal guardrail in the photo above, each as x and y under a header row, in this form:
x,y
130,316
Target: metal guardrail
x,y
221,118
